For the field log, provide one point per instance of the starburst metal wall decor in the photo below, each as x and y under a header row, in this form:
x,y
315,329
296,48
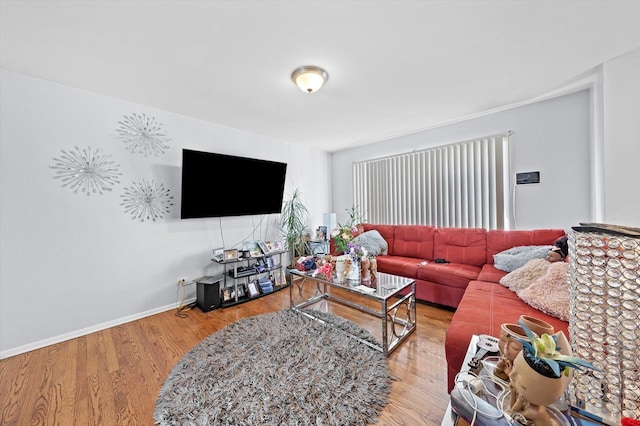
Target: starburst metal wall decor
x,y
143,135
86,170
146,200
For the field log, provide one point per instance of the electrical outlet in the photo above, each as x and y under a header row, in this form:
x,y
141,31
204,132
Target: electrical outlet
x,y
182,281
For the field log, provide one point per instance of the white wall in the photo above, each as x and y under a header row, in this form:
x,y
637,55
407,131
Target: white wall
x,y
551,136
622,136
71,263
586,145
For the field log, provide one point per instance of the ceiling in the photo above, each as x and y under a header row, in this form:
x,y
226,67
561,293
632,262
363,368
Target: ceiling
x,y
395,67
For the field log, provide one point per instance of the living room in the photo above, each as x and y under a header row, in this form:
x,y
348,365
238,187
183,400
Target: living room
x,y
72,264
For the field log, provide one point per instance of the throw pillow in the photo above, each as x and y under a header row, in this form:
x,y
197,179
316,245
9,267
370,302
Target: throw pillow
x,y
373,242
550,292
516,257
524,276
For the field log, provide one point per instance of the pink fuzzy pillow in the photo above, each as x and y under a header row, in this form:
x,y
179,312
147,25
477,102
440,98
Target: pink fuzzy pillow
x,y
525,275
550,292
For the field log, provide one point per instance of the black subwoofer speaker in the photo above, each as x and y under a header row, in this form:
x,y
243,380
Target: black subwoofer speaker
x,y
208,293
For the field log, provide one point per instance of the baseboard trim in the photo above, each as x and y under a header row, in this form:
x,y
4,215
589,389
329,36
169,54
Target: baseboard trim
x,y
88,330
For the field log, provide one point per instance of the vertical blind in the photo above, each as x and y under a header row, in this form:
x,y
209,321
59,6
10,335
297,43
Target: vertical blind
x,y
464,185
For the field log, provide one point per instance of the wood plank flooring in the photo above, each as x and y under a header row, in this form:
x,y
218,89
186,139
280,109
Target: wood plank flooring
x,y
112,377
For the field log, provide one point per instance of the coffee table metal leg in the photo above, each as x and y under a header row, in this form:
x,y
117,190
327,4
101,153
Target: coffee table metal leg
x,y
392,320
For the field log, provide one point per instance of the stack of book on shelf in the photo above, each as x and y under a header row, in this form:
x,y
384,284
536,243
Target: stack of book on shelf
x,y
266,286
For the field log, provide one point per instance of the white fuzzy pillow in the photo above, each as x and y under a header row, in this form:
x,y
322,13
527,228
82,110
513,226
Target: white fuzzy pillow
x,y
373,242
524,276
516,257
550,292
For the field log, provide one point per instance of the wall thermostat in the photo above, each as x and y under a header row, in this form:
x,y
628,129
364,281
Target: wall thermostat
x,y
527,177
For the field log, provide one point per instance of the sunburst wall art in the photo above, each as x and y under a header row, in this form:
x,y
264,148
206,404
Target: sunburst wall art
x,y
86,170
146,200
143,135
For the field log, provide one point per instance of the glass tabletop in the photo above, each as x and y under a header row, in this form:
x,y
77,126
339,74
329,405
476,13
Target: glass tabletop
x,y
383,286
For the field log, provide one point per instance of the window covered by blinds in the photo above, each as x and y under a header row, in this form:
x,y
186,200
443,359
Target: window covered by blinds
x,y
464,184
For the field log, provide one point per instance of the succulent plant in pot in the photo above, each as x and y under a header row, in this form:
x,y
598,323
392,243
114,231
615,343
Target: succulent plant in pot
x,y
540,375
550,355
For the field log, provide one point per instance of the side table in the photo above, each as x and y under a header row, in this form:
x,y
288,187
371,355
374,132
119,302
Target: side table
x,y
573,416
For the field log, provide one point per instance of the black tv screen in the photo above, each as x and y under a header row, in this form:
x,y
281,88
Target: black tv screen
x,y
218,185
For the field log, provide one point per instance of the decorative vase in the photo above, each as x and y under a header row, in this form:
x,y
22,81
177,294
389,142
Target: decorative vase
x,y
354,272
509,348
365,265
536,325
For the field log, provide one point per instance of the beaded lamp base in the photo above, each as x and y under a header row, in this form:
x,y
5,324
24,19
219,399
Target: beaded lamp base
x,y
604,286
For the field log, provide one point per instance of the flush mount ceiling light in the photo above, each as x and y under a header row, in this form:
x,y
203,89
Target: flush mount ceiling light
x,y
309,78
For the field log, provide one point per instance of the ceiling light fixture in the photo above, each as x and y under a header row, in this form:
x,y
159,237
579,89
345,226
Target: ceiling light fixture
x,y
309,78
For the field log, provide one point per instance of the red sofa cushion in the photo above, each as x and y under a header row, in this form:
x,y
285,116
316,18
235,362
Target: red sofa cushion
x,y
450,274
461,245
500,240
491,274
398,265
413,241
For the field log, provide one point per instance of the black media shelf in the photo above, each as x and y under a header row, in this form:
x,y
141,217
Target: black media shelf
x,y
249,299
235,285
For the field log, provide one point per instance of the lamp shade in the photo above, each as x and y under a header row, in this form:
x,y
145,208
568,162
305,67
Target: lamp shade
x,y
309,78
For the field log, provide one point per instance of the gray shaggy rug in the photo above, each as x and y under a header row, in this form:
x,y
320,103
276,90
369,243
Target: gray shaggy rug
x,y
280,368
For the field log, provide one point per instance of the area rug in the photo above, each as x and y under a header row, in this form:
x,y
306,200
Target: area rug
x,y
280,368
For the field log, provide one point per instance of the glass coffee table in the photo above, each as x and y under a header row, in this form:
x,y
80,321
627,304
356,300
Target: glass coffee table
x,y
389,297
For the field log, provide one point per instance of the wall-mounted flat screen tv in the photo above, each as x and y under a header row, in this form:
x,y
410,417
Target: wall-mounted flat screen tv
x,y
218,185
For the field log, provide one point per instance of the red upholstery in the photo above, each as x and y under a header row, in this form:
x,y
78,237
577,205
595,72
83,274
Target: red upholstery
x,y
467,250
398,265
491,273
445,294
461,245
451,274
483,308
413,241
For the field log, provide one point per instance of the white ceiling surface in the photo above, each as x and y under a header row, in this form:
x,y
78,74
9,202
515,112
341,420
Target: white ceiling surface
x,y
395,67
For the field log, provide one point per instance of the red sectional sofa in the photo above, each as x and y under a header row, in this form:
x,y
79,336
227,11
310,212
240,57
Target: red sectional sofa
x,y
469,282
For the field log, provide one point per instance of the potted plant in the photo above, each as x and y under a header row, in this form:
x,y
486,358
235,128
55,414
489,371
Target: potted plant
x,y
345,233
293,225
541,373
549,357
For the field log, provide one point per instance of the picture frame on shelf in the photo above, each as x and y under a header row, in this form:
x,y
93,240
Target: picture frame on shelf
x,y
270,262
226,294
278,245
263,247
270,246
261,265
231,254
279,279
242,291
252,248
218,254
252,289
321,233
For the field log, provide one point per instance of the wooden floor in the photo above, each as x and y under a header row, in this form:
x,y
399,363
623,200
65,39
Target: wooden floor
x,y
112,377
